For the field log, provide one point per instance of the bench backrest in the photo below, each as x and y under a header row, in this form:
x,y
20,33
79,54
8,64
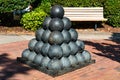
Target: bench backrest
x,y
84,13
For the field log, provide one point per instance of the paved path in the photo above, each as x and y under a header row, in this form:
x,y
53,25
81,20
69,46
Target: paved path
x,y
14,38
81,35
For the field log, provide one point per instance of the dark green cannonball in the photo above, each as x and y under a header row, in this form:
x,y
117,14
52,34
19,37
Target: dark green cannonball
x,y
46,35
74,34
55,65
66,49
73,60
31,56
57,11
80,58
32,43
45,61
86,55
81,45
38,34
67,23
25,53
65,62
73,47
55,51
56,37
46,22
38,47
66,36
45,49
56,24
38,58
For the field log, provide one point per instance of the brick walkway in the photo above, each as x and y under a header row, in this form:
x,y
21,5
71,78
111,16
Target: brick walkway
x,y
105,52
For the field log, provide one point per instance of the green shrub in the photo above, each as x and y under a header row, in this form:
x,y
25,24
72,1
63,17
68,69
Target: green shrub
x,y
44,6
112,12
33,20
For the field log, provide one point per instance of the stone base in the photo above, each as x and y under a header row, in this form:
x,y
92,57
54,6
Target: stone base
x,y
51,72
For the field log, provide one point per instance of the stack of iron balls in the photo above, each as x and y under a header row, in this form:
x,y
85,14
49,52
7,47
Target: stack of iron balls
x,y
56,47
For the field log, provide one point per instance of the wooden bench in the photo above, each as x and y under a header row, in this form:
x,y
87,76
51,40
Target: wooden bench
x,y
85,14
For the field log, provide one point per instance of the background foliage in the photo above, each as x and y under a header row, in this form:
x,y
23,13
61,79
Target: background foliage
x,y
8,6
11,5
33,20
111,7
112,12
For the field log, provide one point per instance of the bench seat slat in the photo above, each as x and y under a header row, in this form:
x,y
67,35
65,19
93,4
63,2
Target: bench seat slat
x,y
84,13
79,13
83,7
86,19
84,16
84,10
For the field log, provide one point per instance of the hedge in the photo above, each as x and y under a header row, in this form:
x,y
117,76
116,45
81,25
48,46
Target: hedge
x,y
112,12
11,5
6,10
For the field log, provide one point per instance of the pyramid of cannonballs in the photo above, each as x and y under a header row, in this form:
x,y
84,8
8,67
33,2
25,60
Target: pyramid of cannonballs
x,y
55,49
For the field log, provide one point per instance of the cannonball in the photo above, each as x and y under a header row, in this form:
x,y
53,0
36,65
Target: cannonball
x,y
46,22
73,60
66,49
46,35
73,47
31,56
32,43
66,36
56,24
55,65
55,51
74,34
81,45
38,58
80,58
25,53
86,55
38,47
57,11
56,37
39,33
45,61
67,23
65,62
45,49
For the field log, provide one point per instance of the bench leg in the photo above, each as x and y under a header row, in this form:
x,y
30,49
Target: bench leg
x,y
95,28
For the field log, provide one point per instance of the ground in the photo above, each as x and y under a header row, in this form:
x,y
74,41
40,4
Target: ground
x,y
20,30
105,52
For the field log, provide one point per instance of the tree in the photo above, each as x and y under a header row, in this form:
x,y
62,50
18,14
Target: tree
x,y
11,5
7,7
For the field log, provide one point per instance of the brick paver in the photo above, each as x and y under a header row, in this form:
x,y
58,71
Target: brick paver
x,y
105,52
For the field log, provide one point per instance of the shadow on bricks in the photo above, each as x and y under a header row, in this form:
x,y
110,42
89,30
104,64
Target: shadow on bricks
x,y
11,67
106,48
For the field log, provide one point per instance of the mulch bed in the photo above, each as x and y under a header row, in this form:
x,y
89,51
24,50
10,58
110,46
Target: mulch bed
x,y
20,30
